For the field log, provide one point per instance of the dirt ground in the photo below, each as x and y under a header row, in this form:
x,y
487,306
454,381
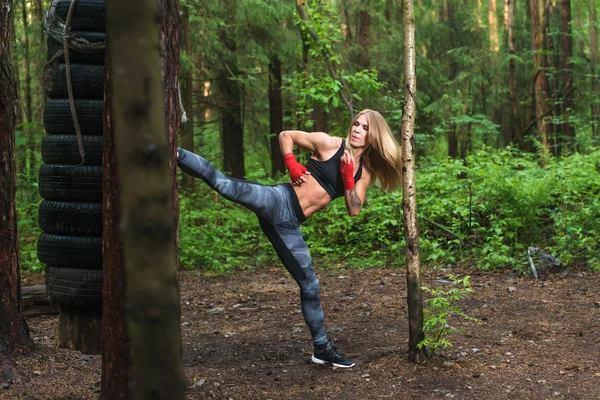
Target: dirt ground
x,y
244,338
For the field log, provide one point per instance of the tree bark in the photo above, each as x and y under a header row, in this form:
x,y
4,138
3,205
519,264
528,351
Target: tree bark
x,y
232,130
540,81
116,357
389,10
275,115
364,59
187,137
515,135
594,62
116,360
344,6
21,157
320,118
146,183
493,21
27,110
554,94
14,333
409,204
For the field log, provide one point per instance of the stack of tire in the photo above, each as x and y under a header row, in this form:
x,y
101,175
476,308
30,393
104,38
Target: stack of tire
x,y
70,215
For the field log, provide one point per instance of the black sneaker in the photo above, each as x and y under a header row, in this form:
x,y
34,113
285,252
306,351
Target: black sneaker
x,y
328,354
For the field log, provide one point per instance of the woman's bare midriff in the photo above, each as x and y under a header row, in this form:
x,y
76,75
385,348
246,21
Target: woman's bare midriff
x,y
311,196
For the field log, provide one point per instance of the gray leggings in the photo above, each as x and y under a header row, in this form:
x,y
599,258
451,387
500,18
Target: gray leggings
x,y
280,216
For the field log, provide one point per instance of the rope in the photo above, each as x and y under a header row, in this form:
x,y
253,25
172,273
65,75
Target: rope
x,y
70,87
184,117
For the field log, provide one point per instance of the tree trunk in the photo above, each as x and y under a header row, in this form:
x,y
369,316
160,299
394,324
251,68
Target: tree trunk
x,y
348,21
146,183
29,133
409,204
594,61
493,21
320,118
14,333
447,14
540,81
389,9
364,59
187,137
515,135
116,357
275,115
232,129
116,360
21,157
555,139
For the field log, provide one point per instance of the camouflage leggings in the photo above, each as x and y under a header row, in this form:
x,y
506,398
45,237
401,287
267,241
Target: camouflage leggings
x,y
280,216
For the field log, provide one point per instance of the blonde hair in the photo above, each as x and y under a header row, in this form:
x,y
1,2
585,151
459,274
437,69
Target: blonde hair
x,y
382,158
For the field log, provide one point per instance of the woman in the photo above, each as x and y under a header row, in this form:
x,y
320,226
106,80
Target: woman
x,y
336,168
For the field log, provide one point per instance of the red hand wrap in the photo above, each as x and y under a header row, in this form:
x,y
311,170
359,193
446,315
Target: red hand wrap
x,y
347,174
295,169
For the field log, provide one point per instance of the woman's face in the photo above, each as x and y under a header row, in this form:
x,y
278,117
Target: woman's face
x,y
359,132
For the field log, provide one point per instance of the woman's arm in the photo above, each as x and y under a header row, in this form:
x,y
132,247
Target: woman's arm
x,y
314,141
355,198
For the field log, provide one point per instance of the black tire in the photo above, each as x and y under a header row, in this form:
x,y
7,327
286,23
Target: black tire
x,y
58,119
87,14
75,287
63,149
71,182
96,58
87,81
84,252
71,218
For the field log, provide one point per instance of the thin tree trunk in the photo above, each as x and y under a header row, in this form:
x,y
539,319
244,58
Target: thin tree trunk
x,y
275,115
41,59
344,4
540,81
232,130
493,21
21,157
554,95
446,14
389,10
594,62
14,333
320,118
409,204
364,59
146,183
515,135
29,133
187,139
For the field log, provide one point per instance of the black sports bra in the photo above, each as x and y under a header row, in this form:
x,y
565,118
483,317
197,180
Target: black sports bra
x,y
328,174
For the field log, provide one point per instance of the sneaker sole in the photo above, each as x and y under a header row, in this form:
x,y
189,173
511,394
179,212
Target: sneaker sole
x,y
319,361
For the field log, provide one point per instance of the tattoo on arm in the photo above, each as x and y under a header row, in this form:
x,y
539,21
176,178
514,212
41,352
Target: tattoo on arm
x,y
354,199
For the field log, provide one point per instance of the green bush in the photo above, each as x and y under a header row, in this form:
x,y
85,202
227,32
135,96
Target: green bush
x,y
485,211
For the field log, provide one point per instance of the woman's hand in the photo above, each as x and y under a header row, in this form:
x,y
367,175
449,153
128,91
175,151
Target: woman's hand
x,y
347,170
298,172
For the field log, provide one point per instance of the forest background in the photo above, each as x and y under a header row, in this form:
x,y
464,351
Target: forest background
x,y
507,127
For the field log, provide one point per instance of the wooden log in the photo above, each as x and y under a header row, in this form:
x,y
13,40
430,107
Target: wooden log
x,y
80,329
35,301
